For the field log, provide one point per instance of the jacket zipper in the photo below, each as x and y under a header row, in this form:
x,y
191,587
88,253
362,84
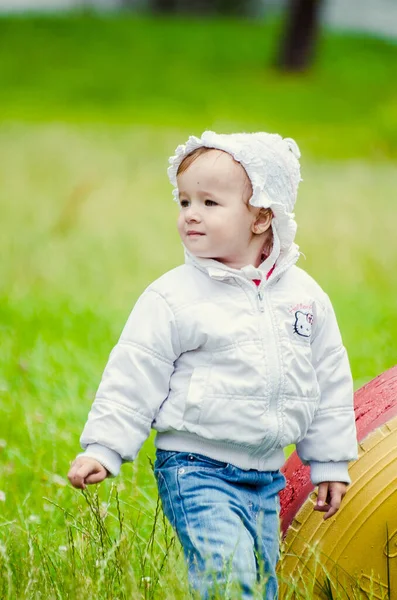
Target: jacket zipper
x,y
260,300
271,441
259,292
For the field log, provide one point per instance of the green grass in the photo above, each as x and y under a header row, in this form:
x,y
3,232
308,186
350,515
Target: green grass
x,y
90,111
201,74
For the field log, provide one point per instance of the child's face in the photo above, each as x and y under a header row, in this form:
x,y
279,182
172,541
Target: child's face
x,y
215,219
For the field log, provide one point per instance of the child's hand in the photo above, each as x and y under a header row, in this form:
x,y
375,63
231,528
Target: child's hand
x,y
329,498
86,470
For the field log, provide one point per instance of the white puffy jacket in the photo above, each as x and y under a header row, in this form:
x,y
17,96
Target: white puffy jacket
x,y
233,371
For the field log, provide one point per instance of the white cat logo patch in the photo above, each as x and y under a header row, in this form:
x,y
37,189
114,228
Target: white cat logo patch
x,y
303,323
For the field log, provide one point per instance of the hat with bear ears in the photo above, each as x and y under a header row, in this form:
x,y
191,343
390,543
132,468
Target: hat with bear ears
x,y
272,165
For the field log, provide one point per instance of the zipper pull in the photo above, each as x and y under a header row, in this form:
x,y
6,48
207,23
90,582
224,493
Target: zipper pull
x,y
260,298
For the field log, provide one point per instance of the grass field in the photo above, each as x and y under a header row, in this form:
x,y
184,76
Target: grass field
x,y
90,110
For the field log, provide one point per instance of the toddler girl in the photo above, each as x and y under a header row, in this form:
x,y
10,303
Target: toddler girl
x,y
230,357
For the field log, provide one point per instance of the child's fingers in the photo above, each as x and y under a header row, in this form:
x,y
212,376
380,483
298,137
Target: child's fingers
x,y
337,492
330,496
322,496
97,477
72,474
332,510
334,505
78,473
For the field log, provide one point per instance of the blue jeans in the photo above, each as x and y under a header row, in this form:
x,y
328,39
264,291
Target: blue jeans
x,y
226,520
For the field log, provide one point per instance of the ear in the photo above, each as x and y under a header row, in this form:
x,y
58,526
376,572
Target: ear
x,y
262,221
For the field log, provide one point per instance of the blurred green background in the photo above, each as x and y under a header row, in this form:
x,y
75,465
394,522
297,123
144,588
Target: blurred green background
x,y
91,106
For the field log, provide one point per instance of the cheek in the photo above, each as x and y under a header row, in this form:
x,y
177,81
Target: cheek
x,y
179,225
180,222
240,226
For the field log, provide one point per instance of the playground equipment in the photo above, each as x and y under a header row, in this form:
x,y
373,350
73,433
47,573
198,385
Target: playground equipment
x,y
356,550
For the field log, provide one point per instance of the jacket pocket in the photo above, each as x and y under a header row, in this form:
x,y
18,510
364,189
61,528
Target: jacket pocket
x,y
298,416
196,394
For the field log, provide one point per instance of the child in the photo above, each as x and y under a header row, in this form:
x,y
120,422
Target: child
x,y
230,357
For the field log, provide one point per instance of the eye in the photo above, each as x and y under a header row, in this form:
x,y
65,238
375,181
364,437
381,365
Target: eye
x,y
184,203
210,203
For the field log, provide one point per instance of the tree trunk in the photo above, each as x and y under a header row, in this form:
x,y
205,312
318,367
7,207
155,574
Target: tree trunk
x,y
300,36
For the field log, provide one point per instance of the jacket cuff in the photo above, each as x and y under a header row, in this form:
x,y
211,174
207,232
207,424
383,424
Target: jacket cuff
x,y
329,471
110,459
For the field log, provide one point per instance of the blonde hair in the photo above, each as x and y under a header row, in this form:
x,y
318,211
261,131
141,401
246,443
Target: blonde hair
x,y
195,154
190,158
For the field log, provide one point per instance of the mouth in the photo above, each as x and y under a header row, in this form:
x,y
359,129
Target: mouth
x,y
192,233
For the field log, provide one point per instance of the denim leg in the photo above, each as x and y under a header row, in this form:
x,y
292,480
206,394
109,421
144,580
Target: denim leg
x,y
266,534
214,509
218,548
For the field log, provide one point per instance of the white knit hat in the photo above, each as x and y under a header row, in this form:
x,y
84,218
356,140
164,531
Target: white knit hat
x,y
271,163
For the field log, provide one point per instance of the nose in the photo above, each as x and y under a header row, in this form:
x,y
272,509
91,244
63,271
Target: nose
x,y
192,215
